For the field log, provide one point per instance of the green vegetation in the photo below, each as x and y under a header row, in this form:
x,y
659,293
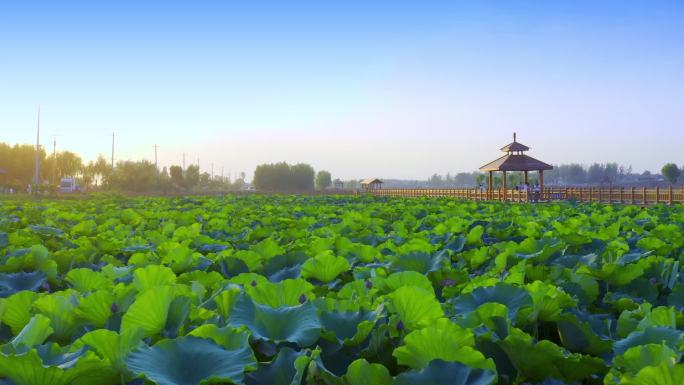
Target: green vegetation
x,y
284,177
671,172
338,290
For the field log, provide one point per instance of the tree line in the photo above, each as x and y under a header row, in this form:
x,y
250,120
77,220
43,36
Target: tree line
x,y
563,174
17,171
290,178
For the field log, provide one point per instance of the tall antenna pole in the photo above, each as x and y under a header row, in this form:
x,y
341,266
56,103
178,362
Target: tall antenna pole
x,y
156,165
54,160
112,150
37,181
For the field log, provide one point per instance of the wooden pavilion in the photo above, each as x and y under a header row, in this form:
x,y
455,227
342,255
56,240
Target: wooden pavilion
x,y
514,160
371,184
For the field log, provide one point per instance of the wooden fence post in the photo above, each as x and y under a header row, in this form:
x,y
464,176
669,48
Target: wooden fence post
x,y
610,194
632,195
590,194
643,196
669,196
657,194
621,194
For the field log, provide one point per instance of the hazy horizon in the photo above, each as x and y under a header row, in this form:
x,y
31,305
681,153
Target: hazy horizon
x,y
386,89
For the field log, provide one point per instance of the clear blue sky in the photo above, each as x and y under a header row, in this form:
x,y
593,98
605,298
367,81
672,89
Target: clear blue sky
x,y
360,88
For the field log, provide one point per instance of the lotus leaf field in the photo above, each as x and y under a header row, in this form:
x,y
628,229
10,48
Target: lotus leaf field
x,y
348,290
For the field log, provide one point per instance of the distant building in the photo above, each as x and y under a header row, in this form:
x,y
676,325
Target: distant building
x,y
338,184
371,184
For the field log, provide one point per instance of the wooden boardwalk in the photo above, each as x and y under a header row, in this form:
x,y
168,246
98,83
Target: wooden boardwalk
x,y
631,195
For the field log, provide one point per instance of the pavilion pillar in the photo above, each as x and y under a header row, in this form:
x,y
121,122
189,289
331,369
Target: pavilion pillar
x,y
490,185
527,179
541,184
503,185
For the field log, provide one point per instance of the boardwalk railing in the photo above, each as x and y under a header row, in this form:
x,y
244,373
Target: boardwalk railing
x,y
630,195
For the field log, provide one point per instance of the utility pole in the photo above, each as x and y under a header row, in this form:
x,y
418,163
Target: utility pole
x,y
212,171
221,173
156,165
198,165
112,151
54,160
183,161
37,181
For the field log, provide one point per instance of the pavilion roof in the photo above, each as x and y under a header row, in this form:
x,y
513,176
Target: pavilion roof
x,y
371,181
514,146
511,162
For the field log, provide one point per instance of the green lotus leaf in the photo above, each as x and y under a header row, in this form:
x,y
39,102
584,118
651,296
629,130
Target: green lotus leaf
x,y
297,324
360,372
474,237
268,248
420,262
492,315
549,300
191,361
663,374
443,340
544,359
439,372
85,280
650,335
34,333
251,259
579,336
288,292
407,278
95,308
226,298
16,282
639,357
47,231
512,296
345,321
60,308
416,307
17,310
151,276
112,346
325,267
613,273
149,311
179,309
248,279
283,370
226,336
80,368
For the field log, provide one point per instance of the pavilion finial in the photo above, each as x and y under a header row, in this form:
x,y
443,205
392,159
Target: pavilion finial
x,y
514,136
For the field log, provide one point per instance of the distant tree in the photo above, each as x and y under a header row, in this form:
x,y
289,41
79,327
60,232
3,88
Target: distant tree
x,y
176,175
283,177
671,172
102,169
205,179
192,176
323,180
595,173
140,176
